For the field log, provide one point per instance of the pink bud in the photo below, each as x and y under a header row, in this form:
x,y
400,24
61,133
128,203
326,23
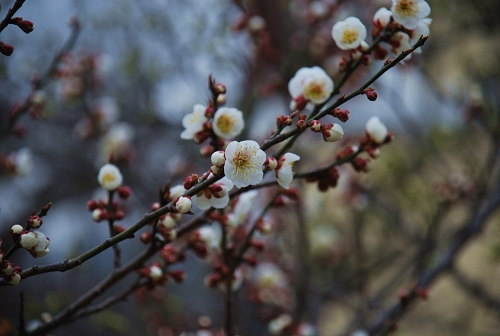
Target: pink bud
x,y
124,192
6,49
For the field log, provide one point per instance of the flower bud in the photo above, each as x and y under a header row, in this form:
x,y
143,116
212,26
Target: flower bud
x,y
99,215
301,125
145,238
221,99
167,221
218,158
183,204
6,49
190,181
283,120
371,94
13,279
271,163
168,253
220,88
35,222
178,275
376,130
342,115
332,132
92,205
315,125
15,231
124,192
109,177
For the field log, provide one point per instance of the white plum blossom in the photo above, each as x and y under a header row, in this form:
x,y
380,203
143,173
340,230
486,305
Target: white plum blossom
x,y
176,192
228,122
209,236
193,122
400,42
382,17
183,204
36,243
216,195
269,275
422,29
244,162
408,13
332,132
284,172
109,177
376,130
349,34
242,208
313,84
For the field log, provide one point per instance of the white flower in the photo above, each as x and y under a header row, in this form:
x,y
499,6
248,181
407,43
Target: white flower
x,y
421,30
218,158
208,235
29,240
382,17
242,208
284,172
16,229
176,191
400,42
244,163
216,195
109,177
117,141
269,275
376,130
228,122
155,273
332,132
36,243
409,12
23,160
183,204
349,34
193,122
311,83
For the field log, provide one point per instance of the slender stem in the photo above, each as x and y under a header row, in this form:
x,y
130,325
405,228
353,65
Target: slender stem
x,y
112,230
10,13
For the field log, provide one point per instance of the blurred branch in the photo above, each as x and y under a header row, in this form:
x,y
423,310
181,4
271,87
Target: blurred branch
x,y
475,289
40,83
390,316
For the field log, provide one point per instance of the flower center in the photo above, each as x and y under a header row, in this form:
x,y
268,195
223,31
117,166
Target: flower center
x,y
108,178
225,123
314,90
349,36
242,163
407,8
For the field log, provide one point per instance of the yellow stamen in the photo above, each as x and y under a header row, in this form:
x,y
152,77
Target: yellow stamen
x,y
407,8
349,36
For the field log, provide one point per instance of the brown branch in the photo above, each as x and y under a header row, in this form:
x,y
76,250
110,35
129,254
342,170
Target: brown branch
x,y
10,13
472,228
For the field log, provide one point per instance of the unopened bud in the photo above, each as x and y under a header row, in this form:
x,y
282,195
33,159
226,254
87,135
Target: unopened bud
x,y
271,163
183,204
145,238
221,99
371,94
332,132
124,192
218,158
315,125
6,49
283,120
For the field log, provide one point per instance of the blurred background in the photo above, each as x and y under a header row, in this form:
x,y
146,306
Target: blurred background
x,y
137,67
